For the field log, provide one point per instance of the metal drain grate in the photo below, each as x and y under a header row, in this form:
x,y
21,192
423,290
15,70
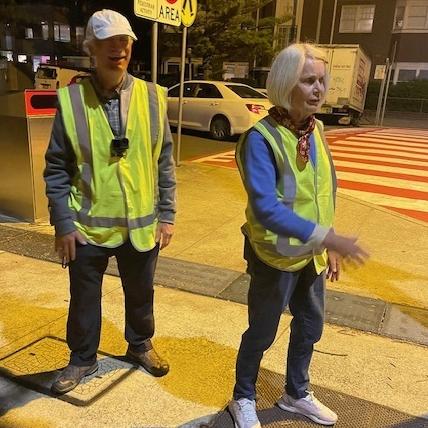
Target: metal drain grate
x,y
353,412
36,366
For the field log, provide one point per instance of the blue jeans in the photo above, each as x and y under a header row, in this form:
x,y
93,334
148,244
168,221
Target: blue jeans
x,y
271,290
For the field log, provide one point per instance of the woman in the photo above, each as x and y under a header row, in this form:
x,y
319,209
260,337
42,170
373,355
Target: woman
x,y
288,173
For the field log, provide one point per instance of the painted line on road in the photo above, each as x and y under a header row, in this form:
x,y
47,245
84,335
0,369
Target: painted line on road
x,y
379,154
386,174
407,148
384,190
397,168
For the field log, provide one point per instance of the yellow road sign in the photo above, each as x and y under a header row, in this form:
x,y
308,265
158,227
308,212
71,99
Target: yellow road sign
x,y
165,11
188,13
146,9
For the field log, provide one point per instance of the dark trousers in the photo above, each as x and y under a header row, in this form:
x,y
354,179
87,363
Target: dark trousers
x,y
84,318
271,290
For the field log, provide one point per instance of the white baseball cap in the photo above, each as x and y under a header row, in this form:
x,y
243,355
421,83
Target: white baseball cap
x,y
108,23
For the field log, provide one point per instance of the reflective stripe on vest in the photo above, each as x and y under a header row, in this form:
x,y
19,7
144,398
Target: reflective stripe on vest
x,y
81,124
269,246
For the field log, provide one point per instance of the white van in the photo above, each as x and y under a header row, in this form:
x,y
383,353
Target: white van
x,y
54,77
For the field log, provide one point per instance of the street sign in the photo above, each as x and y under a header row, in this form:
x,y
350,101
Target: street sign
x,y
380,72
188,13
169,12
164,11
146,9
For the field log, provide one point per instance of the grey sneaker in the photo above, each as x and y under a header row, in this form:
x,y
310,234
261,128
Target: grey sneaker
x,y
71,376
244,413
310,407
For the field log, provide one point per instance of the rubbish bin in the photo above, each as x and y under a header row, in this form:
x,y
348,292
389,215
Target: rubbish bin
x,y
26,124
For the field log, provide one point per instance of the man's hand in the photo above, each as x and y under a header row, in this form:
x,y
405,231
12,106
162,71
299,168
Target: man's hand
x,y
65,245
164,234
333,269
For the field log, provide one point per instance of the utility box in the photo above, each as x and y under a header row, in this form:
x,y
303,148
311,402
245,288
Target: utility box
x,y
349,69
27,119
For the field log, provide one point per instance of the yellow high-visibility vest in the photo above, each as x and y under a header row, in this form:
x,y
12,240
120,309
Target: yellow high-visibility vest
x,y
112,198
308,190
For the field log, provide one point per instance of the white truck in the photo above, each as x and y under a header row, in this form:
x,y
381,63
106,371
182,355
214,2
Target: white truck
x,y
349,69
54,76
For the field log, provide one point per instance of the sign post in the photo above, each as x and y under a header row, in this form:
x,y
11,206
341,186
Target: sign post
x,y
188,15
380,73
164,11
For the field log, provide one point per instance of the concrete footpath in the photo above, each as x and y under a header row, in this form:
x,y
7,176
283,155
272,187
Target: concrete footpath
x,y
371,365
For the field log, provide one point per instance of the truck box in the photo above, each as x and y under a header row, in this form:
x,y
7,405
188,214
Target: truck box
x,y
349,69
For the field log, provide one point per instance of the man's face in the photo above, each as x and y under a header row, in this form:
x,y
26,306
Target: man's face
x,y
113,54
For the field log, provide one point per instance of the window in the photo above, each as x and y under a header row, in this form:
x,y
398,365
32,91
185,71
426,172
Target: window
x,y
357,19
45,30
406,75
417,16
245,91
46,73
61,32
206,90
189,90
29,33
8,38
423,75
80,34
173,68
412,15
284,36
399,17
7,54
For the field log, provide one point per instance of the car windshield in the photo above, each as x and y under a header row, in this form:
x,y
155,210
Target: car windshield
x,y
245,91
46,73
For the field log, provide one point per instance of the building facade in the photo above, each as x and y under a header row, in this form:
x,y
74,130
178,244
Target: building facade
x,y
33,33
386,29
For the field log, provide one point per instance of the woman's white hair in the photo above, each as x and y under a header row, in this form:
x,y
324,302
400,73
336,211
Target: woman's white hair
x,y
286,70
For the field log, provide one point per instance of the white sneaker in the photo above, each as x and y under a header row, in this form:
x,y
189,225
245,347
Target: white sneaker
x,y
310,407
244,413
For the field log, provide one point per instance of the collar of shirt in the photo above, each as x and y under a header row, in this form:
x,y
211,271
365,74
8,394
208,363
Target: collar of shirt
x,y
105,95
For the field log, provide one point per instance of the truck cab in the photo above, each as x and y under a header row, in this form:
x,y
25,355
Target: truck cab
x,y
54,77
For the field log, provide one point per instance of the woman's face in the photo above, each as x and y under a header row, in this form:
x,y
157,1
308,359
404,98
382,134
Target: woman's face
x,y
307,95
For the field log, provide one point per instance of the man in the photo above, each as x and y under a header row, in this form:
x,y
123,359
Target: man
x,y
111,188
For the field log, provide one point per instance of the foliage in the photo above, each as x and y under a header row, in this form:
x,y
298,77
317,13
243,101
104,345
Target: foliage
x,y
404,96
226,30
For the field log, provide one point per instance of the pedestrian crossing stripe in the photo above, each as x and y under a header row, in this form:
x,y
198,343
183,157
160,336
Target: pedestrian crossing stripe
x,y
385,167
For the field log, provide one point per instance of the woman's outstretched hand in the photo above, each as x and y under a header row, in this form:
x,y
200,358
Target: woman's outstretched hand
x,y
346,247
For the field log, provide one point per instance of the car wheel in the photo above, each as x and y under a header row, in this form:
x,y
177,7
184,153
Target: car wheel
x,y
219,128
355,119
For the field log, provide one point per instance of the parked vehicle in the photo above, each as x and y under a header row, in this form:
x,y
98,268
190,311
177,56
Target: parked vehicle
x,y
349,69
221,108
54,77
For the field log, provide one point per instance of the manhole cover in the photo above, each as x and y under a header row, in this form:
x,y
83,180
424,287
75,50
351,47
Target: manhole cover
x,y
37,365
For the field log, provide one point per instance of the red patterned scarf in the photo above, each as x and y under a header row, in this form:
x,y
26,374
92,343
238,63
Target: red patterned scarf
x,y
281,116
